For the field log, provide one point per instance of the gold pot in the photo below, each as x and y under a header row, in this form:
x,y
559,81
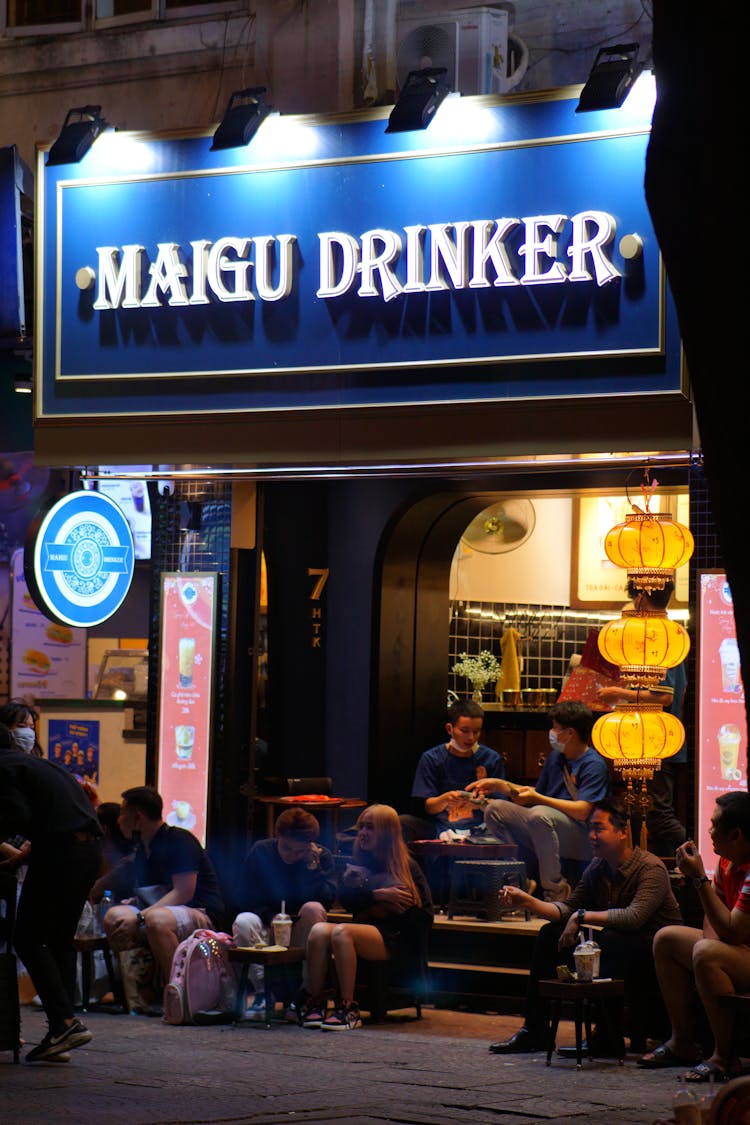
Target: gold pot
x,y
511,697
532,698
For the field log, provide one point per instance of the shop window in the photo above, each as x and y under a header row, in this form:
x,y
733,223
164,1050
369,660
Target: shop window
x,y
40,17
43,16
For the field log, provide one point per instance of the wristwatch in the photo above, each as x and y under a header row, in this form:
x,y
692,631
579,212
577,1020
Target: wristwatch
x,y
699,880
140,919
580,916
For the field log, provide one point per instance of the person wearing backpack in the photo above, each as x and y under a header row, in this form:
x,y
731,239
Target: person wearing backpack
x,y
173,888
291,868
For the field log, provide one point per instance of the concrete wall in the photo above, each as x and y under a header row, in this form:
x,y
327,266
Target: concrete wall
x,y
179,74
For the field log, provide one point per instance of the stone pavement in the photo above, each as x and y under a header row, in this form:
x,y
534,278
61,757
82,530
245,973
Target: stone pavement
x,y
437,1071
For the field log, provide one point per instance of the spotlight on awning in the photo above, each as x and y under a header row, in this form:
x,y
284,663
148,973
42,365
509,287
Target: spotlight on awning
x,y
245,113
22,384
612,77
82,127
423,92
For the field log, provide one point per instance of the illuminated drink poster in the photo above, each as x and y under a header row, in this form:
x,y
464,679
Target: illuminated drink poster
x,y
722,727
186,660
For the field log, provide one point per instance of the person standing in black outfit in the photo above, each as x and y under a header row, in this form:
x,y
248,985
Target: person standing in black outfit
x,y
44,805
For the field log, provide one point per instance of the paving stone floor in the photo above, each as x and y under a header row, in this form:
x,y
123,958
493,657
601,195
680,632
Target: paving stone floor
x,y
437,1071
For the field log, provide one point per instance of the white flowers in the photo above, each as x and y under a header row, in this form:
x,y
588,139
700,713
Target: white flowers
x,y
481,670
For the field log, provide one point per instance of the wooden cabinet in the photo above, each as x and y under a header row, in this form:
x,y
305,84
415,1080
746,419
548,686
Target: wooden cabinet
x,y
523,751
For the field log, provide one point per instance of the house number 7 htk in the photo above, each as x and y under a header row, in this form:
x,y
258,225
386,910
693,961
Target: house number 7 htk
x,y
316,612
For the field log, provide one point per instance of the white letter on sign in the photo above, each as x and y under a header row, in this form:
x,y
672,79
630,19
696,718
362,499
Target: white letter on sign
x,y
582,245
166,277
450,253
264,266
219,263
123,284
380,262
492,249
535,246
349,253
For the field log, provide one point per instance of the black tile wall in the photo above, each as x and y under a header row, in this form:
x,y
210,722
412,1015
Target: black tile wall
x,y
549,635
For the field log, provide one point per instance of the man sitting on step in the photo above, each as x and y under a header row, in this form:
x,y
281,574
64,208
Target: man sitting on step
x,y
548,820
625,891
174,889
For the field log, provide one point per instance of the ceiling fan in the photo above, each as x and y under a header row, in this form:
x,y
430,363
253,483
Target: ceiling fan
x,y
502,527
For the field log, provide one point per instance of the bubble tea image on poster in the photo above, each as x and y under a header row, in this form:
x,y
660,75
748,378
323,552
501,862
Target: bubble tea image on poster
x,y
187,643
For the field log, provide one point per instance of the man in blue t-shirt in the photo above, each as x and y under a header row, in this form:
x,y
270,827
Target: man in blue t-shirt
x,y
445,772
548,820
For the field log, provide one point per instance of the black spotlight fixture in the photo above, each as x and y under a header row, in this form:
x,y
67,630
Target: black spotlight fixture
x,y
423,92
612,77
245,113
82,127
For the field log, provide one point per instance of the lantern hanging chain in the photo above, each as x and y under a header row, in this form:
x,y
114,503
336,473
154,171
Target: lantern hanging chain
x,y
648,487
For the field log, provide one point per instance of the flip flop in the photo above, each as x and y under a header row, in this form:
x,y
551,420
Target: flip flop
x,y
662,1057
704,1072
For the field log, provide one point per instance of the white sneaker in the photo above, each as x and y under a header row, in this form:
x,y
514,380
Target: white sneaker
x,y
257,1010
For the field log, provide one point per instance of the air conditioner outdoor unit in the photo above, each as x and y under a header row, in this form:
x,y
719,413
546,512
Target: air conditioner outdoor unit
x,y
472,43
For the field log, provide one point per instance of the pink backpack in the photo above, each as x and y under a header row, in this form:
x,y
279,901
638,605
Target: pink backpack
x,y
201,979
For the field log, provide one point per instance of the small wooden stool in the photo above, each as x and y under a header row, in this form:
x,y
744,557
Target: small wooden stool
x,y
269,959
585,995
87,946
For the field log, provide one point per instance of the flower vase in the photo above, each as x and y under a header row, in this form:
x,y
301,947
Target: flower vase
x,y
476,695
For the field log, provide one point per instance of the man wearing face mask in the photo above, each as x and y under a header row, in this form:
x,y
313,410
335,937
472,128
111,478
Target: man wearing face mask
x,y
445,773
548,820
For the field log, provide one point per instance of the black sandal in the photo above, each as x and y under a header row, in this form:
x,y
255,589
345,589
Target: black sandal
x,y
662,1057
704,1072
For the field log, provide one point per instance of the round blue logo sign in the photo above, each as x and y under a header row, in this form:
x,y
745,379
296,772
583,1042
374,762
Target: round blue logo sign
x,y
83,559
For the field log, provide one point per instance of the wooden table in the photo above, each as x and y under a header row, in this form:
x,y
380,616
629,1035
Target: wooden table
x,y
332,805
584,995
269,959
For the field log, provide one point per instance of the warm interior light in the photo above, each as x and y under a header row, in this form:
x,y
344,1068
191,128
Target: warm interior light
x,y
644,645
638,734
650,545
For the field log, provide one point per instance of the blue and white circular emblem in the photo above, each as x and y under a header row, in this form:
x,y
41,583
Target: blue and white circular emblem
x,y
83,558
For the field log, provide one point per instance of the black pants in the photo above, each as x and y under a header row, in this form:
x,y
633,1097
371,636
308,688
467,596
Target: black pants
x,y
60,875
625,955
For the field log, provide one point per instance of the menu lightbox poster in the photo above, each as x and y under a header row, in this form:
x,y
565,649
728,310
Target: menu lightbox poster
x,y
186,661
721,757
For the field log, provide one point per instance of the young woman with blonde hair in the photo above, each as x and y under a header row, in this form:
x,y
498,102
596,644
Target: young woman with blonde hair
x,y
389,899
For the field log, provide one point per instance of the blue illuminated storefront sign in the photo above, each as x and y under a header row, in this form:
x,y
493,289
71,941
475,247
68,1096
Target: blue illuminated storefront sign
x,y
342,267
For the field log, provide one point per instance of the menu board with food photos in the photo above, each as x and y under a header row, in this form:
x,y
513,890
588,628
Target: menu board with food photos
x,y
186,677
48,660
